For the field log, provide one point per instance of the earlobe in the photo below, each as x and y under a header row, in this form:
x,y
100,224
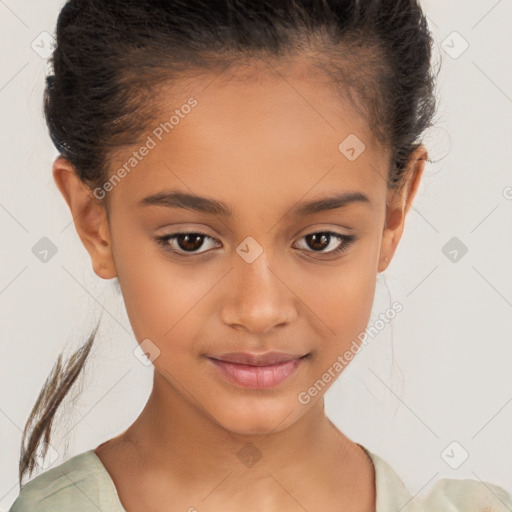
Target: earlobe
x,y
89,217
383,263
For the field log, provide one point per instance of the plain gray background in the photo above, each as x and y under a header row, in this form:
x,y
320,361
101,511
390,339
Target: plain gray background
x,y
439,374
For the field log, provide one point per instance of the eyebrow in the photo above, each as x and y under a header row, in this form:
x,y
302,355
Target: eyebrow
x,y
177,199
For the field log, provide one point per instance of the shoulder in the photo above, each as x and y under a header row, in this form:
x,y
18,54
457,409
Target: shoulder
x,y
76,484
447,494
466,495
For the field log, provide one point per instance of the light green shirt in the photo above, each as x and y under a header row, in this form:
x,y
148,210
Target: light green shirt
x,y
82,484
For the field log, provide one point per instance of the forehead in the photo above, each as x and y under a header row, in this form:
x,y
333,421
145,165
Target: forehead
x,y
263,131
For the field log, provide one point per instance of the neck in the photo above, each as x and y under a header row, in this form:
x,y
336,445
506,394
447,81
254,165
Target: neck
x,y
176,443
171,428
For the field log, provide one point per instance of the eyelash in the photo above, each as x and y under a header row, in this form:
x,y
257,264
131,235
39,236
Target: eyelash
x,y
163,241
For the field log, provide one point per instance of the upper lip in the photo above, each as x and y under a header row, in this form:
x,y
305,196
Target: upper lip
x,y
264,359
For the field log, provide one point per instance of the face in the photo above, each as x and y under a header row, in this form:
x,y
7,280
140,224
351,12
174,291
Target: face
x,y
267,274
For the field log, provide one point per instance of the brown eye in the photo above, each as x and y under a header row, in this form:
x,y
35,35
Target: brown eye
x,y
322,240
189,241
184,242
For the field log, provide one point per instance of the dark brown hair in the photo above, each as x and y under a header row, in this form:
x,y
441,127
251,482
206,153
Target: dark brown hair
x,y
111,57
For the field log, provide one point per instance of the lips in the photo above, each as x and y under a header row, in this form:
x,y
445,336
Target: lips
x,y
264,359
257,371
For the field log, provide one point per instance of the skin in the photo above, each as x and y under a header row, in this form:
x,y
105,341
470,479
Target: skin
x,y
261,147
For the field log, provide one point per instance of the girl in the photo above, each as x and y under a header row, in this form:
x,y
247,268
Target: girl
x,y
244,169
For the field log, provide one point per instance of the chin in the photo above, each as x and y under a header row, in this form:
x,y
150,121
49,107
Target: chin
x,y
259,421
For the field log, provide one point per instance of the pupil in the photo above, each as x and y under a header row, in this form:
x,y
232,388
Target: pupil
x,y
187,237
324,237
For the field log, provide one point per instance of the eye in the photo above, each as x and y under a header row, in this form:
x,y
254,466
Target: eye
x,y
188,242
325,239
185,242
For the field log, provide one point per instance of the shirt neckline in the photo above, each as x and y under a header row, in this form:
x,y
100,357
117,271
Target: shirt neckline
x,y
109,489
390,490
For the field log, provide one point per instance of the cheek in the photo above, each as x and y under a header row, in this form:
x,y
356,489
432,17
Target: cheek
x,y
340,299
159,298
352,297
166,303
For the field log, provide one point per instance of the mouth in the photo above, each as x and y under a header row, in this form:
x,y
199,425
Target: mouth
x,y
257,371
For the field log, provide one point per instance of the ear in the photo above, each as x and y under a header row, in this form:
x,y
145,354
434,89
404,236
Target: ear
x,y
89,216
398,205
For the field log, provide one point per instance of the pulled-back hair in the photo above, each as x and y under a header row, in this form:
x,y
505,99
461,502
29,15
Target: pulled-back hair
x,y
112,59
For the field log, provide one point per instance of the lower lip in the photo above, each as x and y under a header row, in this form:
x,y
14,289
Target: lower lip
x,y
257,377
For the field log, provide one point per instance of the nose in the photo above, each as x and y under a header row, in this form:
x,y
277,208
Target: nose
x,y
258,299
